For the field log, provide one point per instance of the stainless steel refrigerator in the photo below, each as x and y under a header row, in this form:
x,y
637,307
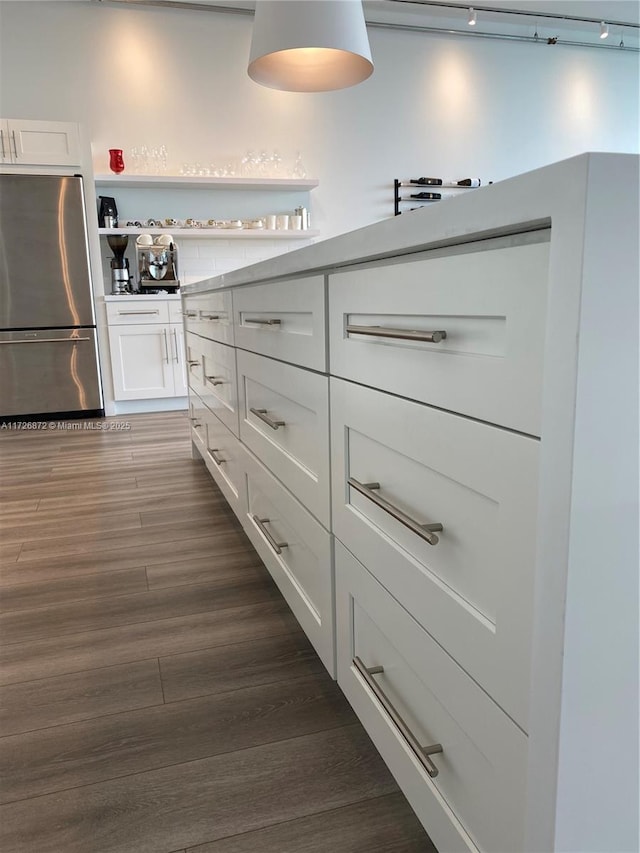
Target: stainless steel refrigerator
x,y
48,351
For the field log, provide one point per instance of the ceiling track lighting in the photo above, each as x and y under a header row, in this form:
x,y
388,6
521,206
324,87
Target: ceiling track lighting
x,y
441,4
302,46
604,30
473,18
597,43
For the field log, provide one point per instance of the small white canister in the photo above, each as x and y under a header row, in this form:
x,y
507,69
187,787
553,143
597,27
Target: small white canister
x,y
303,213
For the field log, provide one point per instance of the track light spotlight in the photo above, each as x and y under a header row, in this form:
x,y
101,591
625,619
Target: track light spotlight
x,y
604,30
472,17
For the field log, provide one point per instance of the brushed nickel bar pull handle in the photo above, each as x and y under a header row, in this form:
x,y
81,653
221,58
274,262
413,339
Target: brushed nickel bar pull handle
x,y
216,459
15,144
262,414
214,380
422,752
260,322
424,531
403,334
4,153
193,363
175,343
197,424
190,314
131,313
204,316
277,546
48,341
166,346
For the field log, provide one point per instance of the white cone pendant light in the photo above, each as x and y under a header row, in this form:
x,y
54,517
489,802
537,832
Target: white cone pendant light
x,y
309,45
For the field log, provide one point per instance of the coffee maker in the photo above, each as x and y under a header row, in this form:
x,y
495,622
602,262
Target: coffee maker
x,y
107,212
158,266
120,274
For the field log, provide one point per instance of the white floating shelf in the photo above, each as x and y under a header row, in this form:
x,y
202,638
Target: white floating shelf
x,y
220,233
197,182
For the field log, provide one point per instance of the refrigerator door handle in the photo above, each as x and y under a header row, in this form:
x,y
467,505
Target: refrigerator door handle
x,y
47,341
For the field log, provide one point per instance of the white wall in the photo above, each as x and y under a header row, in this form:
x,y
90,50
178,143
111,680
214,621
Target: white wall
x,y
435,104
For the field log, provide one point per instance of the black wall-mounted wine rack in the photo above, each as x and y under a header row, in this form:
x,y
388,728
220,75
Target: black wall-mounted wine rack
x,y
420,191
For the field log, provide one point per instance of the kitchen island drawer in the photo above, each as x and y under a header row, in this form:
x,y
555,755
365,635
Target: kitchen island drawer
x,y
219,382
284,420
223,457
296,550
459,759
138,311
210,315
284,320
442,510
197,419
464,332
195,345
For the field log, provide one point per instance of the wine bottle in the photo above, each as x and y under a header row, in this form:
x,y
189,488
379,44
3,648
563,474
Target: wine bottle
x,y
468,182
430,182
426,195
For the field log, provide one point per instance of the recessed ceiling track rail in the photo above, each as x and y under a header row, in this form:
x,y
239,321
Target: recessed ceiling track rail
x,y
520,13
505,36
545,40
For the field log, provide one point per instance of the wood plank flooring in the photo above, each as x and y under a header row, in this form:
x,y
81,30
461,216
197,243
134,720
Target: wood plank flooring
x,y
157,694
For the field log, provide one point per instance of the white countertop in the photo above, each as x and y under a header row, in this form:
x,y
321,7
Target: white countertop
x,y
137,297
532,200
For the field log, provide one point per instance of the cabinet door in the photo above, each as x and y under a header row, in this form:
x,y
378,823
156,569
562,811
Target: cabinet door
x,y
141,362
46,143
177,355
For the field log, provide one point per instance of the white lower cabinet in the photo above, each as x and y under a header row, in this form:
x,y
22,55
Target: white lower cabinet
x,y
297,551
210,316
223,457
459,759
461,329
147,361
284,420
197,417
219,381
398,466
284,320
146,341
434,445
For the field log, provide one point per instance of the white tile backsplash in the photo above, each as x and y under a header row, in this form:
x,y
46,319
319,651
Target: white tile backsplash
x,y
206,257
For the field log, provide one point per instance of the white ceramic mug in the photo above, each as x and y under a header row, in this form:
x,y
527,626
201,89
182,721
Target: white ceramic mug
x,y
270,221
295,223
282,221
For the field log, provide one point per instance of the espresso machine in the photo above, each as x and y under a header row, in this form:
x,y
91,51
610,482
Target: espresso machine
x,y
120,274
157,265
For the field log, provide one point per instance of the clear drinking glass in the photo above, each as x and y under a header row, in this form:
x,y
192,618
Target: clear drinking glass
x,y
299,170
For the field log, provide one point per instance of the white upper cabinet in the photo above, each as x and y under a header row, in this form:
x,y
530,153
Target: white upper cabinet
x,y
39,143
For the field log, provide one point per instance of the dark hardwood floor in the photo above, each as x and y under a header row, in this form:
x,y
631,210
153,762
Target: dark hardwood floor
x,y
157,694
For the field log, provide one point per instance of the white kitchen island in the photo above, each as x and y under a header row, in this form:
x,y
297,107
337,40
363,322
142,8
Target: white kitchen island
x,y
429,430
